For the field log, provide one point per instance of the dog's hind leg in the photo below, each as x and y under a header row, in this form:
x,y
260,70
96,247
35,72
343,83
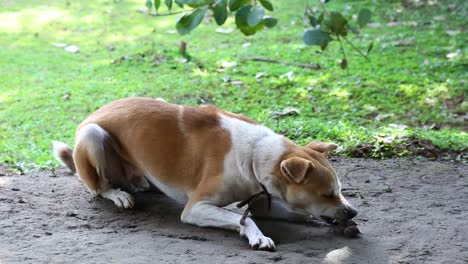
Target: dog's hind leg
x,y
100,166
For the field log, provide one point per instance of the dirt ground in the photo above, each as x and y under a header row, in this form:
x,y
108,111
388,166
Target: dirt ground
x,y
409,212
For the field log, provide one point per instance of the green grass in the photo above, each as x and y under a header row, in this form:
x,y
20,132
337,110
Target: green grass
x,y
415,85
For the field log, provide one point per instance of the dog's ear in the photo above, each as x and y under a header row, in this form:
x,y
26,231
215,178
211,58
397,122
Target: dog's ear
x,y
323,147
296,168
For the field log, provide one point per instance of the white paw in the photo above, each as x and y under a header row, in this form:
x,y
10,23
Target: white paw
x,y
256,238
120,198
262,243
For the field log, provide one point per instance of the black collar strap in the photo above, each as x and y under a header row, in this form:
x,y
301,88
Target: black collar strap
x,y
249,201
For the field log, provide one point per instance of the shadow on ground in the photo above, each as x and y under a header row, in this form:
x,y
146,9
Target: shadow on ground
x,y
410,212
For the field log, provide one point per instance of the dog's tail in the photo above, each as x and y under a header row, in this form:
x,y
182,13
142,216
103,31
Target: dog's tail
x,y
64,154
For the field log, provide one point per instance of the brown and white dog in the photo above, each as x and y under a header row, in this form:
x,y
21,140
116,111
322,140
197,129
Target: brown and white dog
x,y
206,158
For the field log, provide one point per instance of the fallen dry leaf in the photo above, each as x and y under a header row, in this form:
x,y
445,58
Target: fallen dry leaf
x,y
66,96
247,44
143,10
374,25
383,116
288,111
72,49
404,23
59,45
228,64
226,31
260,75
289,75
403,43
453,33
453,55
182,60
238,83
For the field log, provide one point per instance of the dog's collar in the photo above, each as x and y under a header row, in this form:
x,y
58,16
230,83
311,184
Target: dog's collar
x,y
249,201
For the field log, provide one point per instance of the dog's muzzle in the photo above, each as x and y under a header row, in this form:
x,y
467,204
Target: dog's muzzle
x,y
342,215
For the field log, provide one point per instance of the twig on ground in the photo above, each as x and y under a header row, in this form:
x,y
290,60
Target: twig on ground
x,y
297,64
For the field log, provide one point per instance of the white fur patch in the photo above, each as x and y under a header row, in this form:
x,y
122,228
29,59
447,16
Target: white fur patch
x,y
59,147
255,150
64,154
180,120
203,214
120,198
266,156
172,192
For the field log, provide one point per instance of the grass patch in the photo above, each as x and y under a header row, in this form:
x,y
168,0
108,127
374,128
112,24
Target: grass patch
x,y
410,91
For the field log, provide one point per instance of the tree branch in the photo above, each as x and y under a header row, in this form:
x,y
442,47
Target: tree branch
x,y
356,49
344,54
169,14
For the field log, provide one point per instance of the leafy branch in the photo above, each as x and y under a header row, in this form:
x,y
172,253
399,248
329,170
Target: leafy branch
x,y
329,26
250,17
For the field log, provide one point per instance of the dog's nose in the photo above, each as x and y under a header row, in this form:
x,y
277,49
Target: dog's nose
x,y
351,212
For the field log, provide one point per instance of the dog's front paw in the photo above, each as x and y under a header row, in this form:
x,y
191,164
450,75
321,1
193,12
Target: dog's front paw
x,y
262,243
256,238
120,198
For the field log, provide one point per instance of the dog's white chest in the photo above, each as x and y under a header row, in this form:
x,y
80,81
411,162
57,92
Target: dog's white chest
x,y
172,192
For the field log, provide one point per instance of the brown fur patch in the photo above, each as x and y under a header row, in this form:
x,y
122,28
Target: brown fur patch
x,y
317,182
151,140
240,117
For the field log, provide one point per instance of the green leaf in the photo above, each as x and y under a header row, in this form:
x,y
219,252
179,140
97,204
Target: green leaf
x,y
180,3
320,18
352,29
190,21
270,22
267,5
236,4
149,4
255,16
157,4
317,36
313,21
364,17
371,46
344,64
168,4
337,24
252,30
324,46
220,12
242,21
241,16
194,3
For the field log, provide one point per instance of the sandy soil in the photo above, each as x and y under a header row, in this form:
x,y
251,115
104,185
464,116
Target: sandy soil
x,y
410,212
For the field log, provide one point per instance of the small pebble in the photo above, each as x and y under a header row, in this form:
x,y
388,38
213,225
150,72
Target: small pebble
x,y
351,231
348,229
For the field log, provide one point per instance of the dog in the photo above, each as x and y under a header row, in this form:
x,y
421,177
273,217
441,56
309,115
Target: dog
x,y
205,158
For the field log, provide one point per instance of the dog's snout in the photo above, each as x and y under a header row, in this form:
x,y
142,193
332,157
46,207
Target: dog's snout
x,y
351,212
345,213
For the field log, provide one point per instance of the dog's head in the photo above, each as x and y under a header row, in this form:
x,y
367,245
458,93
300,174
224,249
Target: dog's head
x,y
309,183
